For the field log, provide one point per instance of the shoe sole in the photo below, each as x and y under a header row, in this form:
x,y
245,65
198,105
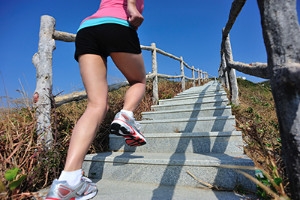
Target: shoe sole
x,y
133,138
86,197
89,196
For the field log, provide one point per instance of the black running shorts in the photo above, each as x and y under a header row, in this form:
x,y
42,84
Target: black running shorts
x,y
106,38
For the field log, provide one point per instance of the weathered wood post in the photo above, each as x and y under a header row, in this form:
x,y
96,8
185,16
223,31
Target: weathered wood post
x,y
193,76
182,73
231,72
42,61
199,77
281,33
224,74
221,76
154,71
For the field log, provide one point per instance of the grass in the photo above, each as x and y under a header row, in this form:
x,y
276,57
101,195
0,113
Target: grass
x,y
256,118
20,153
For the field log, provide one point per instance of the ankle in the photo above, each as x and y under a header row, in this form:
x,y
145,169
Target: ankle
x,y
72,177
128,113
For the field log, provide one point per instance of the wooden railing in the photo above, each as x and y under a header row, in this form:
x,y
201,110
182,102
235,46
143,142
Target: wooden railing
x,y
43,98
197,74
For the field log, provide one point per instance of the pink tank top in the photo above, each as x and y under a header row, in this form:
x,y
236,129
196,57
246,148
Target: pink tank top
x,y
115,8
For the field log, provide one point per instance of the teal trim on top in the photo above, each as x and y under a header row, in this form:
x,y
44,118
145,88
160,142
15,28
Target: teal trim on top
x,y
103,20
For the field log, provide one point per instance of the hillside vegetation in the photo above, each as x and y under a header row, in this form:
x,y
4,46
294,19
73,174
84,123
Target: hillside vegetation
x,y
256,118
27,167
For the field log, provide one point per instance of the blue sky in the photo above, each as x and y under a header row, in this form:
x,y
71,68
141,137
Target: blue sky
x,y
191,29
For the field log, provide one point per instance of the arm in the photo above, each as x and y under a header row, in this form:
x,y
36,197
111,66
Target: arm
x,y
135,17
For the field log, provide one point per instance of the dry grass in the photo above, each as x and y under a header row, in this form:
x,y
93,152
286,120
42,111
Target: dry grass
x,y
255,116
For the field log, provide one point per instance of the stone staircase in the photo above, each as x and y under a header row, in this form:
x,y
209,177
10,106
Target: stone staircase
x,y
191,138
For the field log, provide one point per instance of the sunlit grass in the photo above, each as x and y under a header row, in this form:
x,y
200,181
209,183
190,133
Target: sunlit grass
x,y
256,118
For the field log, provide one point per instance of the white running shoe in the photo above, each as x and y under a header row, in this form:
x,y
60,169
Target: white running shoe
x,y
126,126
61,190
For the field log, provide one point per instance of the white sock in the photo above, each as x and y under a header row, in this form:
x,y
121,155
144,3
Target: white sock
x,y
72,177
127,112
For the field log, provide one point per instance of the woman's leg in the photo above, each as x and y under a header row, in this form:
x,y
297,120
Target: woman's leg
x,y
93,70
132,67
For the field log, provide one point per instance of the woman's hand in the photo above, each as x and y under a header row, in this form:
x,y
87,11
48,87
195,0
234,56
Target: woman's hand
x,y
135,18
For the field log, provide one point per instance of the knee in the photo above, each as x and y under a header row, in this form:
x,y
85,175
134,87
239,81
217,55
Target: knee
x,y
140,82
98,107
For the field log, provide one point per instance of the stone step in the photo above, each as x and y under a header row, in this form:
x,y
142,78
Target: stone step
x,y
191,140
204,142
192,99
188,113
194,133
116,190
190,92
196,95
170,168
203,90
203,104
187,125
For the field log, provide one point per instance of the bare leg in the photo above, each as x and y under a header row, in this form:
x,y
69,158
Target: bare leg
x,y
132,67
93,69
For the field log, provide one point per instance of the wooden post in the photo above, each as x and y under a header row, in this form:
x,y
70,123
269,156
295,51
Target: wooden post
x,y
182,74
199,77
231,72
193,76
221,76
226,73
281,34
227,80
42,61
223,73
154,71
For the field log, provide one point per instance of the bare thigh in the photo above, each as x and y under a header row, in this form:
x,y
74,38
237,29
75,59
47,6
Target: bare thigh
x,y
131,66
93,70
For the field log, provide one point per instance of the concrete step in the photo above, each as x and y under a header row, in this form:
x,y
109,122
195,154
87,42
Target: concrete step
x,y
170,169
188,113
116,190
209,88
195,95
193,99
203,104
191,134
187,125
203,142
199,93
191,142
